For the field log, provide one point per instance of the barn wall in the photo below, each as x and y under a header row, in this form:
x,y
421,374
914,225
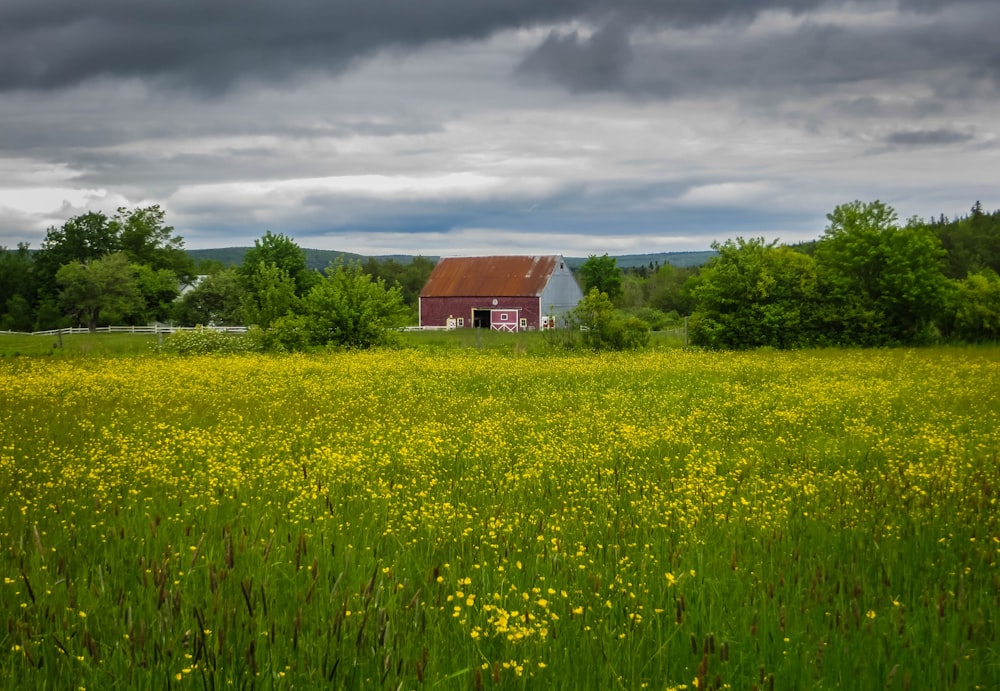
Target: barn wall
x,y
561,293
435,311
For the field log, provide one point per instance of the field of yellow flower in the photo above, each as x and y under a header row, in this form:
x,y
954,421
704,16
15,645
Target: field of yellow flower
x,y
404,520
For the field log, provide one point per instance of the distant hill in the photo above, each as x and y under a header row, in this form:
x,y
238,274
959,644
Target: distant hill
x,y
315,259
320,259
628,261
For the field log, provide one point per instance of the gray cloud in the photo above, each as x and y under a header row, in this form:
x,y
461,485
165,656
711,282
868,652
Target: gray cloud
x,y
634,121
593,64
935,137
950,49
48,44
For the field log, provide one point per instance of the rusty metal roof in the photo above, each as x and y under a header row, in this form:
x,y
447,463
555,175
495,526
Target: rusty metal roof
x,y
496,276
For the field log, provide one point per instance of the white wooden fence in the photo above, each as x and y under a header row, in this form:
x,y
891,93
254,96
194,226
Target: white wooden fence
x,y
152,330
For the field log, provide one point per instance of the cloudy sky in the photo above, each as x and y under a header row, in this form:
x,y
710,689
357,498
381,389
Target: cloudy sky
x,y
447,127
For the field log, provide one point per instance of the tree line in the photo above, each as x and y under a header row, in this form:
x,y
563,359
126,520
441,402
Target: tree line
x,y
869,280
131,268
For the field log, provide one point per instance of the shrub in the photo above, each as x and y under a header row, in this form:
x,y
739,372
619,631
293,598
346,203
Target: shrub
x,y
204,341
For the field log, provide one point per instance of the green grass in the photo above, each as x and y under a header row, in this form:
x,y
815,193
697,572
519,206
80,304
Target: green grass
x,y
470,519
76,345
127,345
527,342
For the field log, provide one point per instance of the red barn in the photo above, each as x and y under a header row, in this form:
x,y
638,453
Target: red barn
x,y
500,293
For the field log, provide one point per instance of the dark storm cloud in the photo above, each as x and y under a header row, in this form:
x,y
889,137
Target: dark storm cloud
x,y
953,52
209,45
593,64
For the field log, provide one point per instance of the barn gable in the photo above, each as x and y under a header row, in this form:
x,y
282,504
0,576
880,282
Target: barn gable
x,y
508,293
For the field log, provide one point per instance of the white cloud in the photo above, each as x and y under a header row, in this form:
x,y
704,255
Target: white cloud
x,y
726,194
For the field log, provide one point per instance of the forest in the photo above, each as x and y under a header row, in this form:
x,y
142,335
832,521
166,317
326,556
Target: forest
x,y
868,280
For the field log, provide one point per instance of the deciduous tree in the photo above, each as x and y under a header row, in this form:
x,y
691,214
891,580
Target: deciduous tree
x,y
215,300
281,251
350,308
977,307
147,240
602,327
603,274
269,295
108,284
755,294
884,283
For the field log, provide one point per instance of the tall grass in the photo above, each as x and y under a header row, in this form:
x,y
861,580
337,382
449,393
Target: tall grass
x,y
475,520
76,345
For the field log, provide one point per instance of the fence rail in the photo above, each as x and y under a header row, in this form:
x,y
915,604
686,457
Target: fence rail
x,y
152,330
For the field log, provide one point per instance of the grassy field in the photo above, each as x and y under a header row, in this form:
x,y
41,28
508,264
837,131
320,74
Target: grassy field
x,y
76,345
128,345
466,520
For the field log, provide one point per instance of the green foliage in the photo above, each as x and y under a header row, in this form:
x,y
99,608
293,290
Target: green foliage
x,y
755,294
409,276
977,308
80,239
208,341
18,315
972,243
108,284
144,236
215,300
883,283
281,251
287,334
601,327
603,274
349,308
17,288
657,319
269,295
668,291
140,235
158,288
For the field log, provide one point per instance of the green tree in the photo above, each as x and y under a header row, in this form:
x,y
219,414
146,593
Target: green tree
x,y
410,277
108,284
976,306
141,234
215,300
350,308
269,295
80,239
972,243
755,294
159,290
282,252
17,315
18,290
144,236
884,283
603,274
601,327
668,290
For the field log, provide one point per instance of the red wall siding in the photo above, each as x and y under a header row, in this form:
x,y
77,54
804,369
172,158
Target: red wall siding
x,y
435,311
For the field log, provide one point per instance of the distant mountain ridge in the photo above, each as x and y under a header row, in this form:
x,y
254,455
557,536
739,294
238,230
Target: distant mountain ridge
x,y
320,259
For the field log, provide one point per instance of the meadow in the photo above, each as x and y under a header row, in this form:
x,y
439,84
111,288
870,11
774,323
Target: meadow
x,y
490,520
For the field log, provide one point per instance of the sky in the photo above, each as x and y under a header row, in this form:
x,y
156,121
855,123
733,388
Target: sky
x,y
463,127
